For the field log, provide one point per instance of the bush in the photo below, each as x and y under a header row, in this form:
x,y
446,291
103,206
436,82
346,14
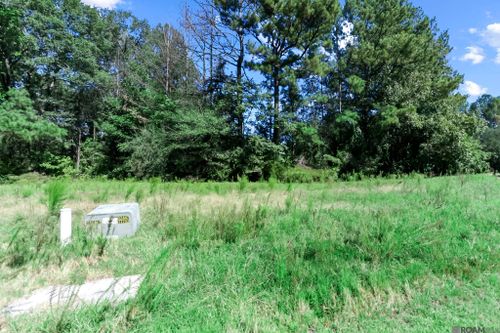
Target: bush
x,y
491,143
262,159
307,145
58,166
93,158
452,146
306,175
182,143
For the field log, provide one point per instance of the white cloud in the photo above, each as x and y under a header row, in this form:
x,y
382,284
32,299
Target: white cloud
x,y
347,38
347,27
109,4
494,27
492,35
473,89
475,55
497,60
263,39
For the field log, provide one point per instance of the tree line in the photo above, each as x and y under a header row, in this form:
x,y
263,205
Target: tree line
x,y
243,88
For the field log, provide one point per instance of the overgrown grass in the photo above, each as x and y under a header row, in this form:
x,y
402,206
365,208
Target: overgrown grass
x,y
56,193
410,254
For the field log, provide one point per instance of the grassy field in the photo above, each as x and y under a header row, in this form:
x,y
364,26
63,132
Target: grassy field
x,y
378,255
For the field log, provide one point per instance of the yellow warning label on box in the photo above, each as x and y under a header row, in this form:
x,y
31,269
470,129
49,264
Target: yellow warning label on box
x,y
123,220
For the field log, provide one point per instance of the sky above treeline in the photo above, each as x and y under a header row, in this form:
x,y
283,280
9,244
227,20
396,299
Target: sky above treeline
x,y
474,28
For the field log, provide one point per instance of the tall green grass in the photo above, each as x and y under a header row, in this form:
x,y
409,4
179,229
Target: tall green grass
x,y
102,196
375,255
129,191
56,193
35,238
139,195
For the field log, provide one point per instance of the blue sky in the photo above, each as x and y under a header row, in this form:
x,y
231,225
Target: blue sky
x,y
474,28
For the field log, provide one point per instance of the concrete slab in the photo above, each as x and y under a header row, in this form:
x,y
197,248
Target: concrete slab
x,y
114,290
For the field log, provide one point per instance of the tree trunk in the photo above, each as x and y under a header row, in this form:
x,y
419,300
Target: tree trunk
x,y
211,57
78,149
166,39
276,115
7,77
239,83
340,94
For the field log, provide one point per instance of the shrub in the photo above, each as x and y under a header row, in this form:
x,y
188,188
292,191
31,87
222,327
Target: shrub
x,y
243,183
491,143
262,159
306,175
58,166
93,158
452,145
182,143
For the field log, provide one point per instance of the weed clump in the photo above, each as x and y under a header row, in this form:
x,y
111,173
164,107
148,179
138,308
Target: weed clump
x,y
243,183
129,191
56,193
139,195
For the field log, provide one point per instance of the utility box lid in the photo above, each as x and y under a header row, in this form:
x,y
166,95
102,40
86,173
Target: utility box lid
x,y
115,221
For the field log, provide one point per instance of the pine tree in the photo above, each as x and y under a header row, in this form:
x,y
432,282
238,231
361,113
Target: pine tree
x,y
288,33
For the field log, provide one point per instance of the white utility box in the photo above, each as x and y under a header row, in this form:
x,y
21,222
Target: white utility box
x,y
115,221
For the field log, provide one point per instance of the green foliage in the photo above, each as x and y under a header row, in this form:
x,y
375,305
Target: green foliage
x,y
306,175
23,135
452,146
394,107
491,143
243,183
56,193
11,44
357,84
102,196
403,53
57,166
93,158
35,241
129,191
17,253
19,120
289,34
307,146
348,92
365,88
27,192
487,107
444,142
261,158
153,185
182,143
31,241
139,195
